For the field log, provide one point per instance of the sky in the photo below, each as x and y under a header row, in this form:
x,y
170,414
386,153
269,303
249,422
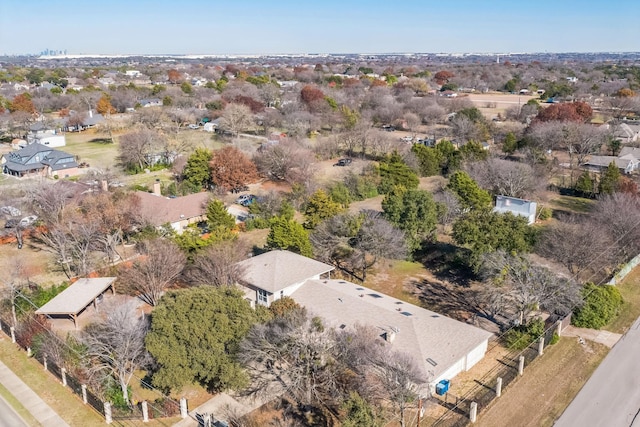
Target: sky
x,y
317,26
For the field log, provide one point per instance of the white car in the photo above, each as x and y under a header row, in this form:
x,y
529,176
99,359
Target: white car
x,y
406,139
28,220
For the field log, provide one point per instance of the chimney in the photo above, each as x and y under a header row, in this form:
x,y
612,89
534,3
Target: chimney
x,y
156,188
104,185
389,336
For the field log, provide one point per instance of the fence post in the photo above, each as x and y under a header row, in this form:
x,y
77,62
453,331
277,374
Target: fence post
x,y
541,346
13,334
107,413
44,361
473,412
521,365
84,394
64,377
145,412
559,326
29,354
183,407
499,387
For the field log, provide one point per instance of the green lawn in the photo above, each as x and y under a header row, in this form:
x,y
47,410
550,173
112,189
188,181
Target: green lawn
x,y
573,204
630,311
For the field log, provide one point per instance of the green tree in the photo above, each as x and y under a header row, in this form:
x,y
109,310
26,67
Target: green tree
x,y
430,159
393,172
483,231
449,155
359,413
288,234
510,143
186,88
197,170
340,194
412,211
471,196
35,76
609,180
510,86
585,184
614,145
473,151
167,101
320,207
218,218
601,305
195,334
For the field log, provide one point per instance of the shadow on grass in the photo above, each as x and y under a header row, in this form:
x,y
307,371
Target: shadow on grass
x,y
446,262
447,299
101,140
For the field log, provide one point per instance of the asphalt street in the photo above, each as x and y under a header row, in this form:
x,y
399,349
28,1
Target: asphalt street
x,y
9,417
611,397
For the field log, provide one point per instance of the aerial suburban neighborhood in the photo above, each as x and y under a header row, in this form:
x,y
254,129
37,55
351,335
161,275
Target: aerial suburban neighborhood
x,y
310,239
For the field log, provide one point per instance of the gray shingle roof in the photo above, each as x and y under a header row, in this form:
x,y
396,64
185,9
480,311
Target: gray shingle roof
x,y
421,333
276,270
17,160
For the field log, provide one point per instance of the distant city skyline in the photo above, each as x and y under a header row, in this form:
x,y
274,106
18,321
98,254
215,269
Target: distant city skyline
x,y
251,27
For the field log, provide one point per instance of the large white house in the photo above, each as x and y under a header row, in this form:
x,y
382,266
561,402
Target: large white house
x,y
442,346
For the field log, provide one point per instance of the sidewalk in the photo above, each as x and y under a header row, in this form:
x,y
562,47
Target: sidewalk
x,y
603,337
29,399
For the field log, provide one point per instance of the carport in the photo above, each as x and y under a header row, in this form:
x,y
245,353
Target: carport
x,y
77,297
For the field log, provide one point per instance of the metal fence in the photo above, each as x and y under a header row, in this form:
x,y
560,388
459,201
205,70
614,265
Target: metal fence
x,y
484,392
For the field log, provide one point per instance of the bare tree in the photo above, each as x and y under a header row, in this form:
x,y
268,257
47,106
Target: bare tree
x,y
217,265
291,355
507,178
141,149
357,249
619,215
161,262
286,161
236,118
115,344
578,244
529,287
49,200
401,380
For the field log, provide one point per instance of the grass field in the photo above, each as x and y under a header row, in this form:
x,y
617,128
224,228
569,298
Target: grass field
x,y
630,310
17,406
547,387
60,399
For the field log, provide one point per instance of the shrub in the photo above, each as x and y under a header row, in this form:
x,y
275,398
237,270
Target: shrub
x,y
554,339
601,305
545,213
520,337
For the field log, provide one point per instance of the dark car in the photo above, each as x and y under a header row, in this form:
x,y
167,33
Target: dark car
x,y
11,223
343,162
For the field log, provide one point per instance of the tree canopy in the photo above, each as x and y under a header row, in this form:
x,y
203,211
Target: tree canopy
x,y
195,334
412,211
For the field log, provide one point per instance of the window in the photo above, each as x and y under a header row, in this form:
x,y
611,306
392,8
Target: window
x,y
263,297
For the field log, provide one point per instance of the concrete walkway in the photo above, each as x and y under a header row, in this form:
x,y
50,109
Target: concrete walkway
x,y
219,406
29,399
602,337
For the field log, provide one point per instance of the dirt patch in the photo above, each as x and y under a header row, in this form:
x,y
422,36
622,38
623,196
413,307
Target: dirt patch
x,y
373,204
547,387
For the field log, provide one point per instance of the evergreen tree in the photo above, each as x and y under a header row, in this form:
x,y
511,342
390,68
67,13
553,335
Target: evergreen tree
x,y
609,180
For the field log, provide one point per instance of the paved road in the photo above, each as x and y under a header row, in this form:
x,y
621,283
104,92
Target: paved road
x,y
9,417
611,397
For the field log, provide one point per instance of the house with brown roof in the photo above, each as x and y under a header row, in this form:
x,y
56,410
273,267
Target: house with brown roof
x,y
442,346
178,212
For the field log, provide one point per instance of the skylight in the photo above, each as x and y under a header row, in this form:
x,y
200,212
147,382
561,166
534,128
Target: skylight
x,y
375,295
406,313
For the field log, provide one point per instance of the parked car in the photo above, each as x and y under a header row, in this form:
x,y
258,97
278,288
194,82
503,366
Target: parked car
x,y
11,223
343,162
406,139
28,220
246,199
193,126
388,128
